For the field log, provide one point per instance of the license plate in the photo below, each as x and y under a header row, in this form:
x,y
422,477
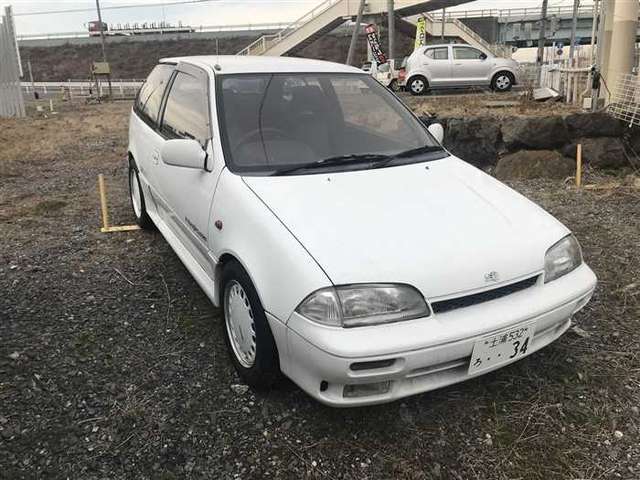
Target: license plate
x,y
502,347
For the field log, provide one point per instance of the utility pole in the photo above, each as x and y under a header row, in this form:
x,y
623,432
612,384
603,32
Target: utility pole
x,y
444,12
541,38
392,28
33,87
354,35
102,41
574,27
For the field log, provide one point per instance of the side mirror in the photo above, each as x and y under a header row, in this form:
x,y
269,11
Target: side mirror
x,y
437,130
483,56
184,153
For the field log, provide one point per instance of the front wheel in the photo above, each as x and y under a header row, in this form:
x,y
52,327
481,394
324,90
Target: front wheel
x,y
253,350
502,82
418,85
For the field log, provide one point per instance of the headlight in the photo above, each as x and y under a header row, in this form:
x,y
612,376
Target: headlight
x,y
357,305
562,258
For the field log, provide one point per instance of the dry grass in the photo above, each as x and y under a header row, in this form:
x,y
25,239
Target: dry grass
x,y
113,364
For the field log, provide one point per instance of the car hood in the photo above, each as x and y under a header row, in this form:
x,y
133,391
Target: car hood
x,y
441,226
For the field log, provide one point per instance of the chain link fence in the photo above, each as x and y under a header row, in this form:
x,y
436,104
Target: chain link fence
x,y
625,100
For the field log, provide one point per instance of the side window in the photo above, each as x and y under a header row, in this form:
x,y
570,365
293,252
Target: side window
x,y
467,53
187,112
149,97
441,53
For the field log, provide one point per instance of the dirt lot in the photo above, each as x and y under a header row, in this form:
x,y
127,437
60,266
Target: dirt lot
x,y
113,365
477,101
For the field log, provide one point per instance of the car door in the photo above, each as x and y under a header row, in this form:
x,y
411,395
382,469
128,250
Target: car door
x,y
187,193
143,134
470,66
437,62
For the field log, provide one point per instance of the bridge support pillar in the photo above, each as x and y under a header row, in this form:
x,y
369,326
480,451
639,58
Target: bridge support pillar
x,y
621,55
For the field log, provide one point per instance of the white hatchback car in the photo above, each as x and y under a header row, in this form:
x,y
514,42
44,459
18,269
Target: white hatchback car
x,y
347,248
458,65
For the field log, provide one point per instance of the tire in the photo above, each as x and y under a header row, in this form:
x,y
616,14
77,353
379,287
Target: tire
x,y
502,82
136,196
418,85
394,86
255,359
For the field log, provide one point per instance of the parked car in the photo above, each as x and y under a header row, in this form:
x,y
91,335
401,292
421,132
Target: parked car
x,y
347,248
391,74
458,65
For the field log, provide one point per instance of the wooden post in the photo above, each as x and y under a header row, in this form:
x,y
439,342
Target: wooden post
x,y
103,202
579,165
105,212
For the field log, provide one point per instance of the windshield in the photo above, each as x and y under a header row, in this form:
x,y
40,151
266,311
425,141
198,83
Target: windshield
x,y
278,122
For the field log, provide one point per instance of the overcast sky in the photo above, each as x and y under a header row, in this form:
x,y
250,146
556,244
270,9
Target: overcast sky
x,y
217,12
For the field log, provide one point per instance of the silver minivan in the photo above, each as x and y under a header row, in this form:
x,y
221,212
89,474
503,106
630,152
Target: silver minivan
x,y
458,65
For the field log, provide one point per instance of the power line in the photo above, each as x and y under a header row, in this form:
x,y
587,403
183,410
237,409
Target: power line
x,y
145,5
113,7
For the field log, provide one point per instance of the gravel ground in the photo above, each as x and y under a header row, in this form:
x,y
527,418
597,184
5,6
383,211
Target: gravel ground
x,y
113,364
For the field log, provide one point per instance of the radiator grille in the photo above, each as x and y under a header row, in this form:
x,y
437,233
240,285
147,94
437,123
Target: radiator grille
x,y
476,298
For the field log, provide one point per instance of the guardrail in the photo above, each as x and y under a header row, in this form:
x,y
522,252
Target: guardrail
x,y
83,88
261,44
197,29
515,12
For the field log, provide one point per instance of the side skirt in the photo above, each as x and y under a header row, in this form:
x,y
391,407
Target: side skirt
x,y
207,284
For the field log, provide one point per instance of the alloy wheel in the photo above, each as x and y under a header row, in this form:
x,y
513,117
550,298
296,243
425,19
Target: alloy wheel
x,y
503,82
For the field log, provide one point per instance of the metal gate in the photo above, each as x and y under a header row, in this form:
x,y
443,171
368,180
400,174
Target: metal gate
x,y
11,101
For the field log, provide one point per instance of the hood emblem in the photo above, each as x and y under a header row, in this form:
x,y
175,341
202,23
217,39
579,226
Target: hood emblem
x,y
491,277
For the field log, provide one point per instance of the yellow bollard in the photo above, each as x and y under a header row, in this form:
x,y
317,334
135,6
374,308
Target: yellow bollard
x,y
578,165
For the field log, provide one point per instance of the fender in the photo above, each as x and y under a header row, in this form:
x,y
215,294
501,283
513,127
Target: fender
x,y
282,271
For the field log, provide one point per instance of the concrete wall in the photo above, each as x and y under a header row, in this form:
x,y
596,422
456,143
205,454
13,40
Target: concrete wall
x,y
487,27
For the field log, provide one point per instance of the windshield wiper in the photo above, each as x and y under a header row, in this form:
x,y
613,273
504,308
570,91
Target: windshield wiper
x,y
332,161
412,152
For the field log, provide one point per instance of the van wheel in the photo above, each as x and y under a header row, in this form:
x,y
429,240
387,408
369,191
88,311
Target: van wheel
x,y
137,200
502,82
253,350
418,85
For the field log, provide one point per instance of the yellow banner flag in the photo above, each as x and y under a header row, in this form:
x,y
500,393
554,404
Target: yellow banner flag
x,y
420,33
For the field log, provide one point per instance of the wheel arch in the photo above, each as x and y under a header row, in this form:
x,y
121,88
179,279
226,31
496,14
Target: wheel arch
x,y
224,259
132,161
419,73
499,70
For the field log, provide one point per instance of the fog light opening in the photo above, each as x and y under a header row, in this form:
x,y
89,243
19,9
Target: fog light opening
x,y
324,385
366,389
358,366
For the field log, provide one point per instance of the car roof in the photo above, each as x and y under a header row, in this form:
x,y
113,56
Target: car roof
x,y
449,45
227,64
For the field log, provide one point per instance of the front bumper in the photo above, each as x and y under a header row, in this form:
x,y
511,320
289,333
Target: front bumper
x,y
427,353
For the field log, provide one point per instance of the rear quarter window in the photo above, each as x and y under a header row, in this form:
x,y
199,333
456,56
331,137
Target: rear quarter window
x,y
149,97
